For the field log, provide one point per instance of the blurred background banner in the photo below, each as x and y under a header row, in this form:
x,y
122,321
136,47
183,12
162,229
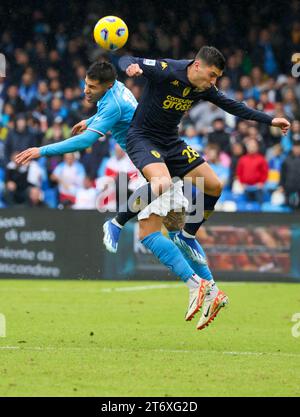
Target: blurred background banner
x,y
259,247
67,244
50,244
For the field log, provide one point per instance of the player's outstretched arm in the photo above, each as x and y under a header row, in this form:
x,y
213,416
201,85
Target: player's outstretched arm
x,y
73,144
240,109
156,70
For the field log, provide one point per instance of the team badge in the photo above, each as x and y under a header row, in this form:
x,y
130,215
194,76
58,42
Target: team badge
x,y
163,65
186,91
156,154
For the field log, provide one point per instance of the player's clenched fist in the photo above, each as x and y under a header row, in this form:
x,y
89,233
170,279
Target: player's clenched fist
x,y
134,70
27,155
282,123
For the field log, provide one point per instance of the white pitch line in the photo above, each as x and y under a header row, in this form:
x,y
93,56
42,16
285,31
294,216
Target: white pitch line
x,y
97,290
113,289
180,351
142,287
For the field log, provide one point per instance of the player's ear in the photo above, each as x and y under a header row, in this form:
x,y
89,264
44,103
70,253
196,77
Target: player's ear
x,y
197,64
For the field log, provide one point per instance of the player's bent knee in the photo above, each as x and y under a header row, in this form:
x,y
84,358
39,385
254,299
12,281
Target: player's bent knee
x,y
160,185
214,188
219,187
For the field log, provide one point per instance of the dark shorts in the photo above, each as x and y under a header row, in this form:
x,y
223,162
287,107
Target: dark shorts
x,y
179,157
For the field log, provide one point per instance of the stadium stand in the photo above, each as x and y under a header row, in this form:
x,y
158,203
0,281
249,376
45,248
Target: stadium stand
x,y
42,95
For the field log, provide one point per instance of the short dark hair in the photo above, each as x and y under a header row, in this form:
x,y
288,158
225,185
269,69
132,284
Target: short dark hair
x,y
211,56
102,71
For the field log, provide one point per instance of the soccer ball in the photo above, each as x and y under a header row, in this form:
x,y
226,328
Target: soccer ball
x,y
111,33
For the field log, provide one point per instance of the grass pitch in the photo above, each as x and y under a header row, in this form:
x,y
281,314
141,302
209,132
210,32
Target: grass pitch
x,y
95,338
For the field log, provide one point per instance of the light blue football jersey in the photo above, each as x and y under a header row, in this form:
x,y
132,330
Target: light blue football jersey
x,y
115,112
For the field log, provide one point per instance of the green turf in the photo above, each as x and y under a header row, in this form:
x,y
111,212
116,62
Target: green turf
x,y
70,338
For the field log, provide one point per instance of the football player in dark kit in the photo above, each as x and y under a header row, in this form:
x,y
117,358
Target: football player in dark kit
x,y
153,144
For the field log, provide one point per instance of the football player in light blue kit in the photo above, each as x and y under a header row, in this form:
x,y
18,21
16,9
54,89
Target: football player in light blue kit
x,y
116,106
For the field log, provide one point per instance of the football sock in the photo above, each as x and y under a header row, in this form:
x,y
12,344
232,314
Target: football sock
x,y
209,206
169,255
202,270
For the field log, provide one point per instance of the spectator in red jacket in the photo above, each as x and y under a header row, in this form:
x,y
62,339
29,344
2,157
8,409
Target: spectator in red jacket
x,y
252,171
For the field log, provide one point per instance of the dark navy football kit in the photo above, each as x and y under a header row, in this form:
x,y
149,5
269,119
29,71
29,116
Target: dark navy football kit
x,y
168,94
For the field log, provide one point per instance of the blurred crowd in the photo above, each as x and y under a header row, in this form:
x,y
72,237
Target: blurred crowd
x,y
48,49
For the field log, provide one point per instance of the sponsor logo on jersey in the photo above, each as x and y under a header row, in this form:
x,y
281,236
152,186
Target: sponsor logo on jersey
x,y
175,82
163,65
186,91
179,104
156,154
151,62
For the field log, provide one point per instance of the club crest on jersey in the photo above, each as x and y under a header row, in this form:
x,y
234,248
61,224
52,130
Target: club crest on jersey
x,y
156,154
186,91
163,65
175,82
